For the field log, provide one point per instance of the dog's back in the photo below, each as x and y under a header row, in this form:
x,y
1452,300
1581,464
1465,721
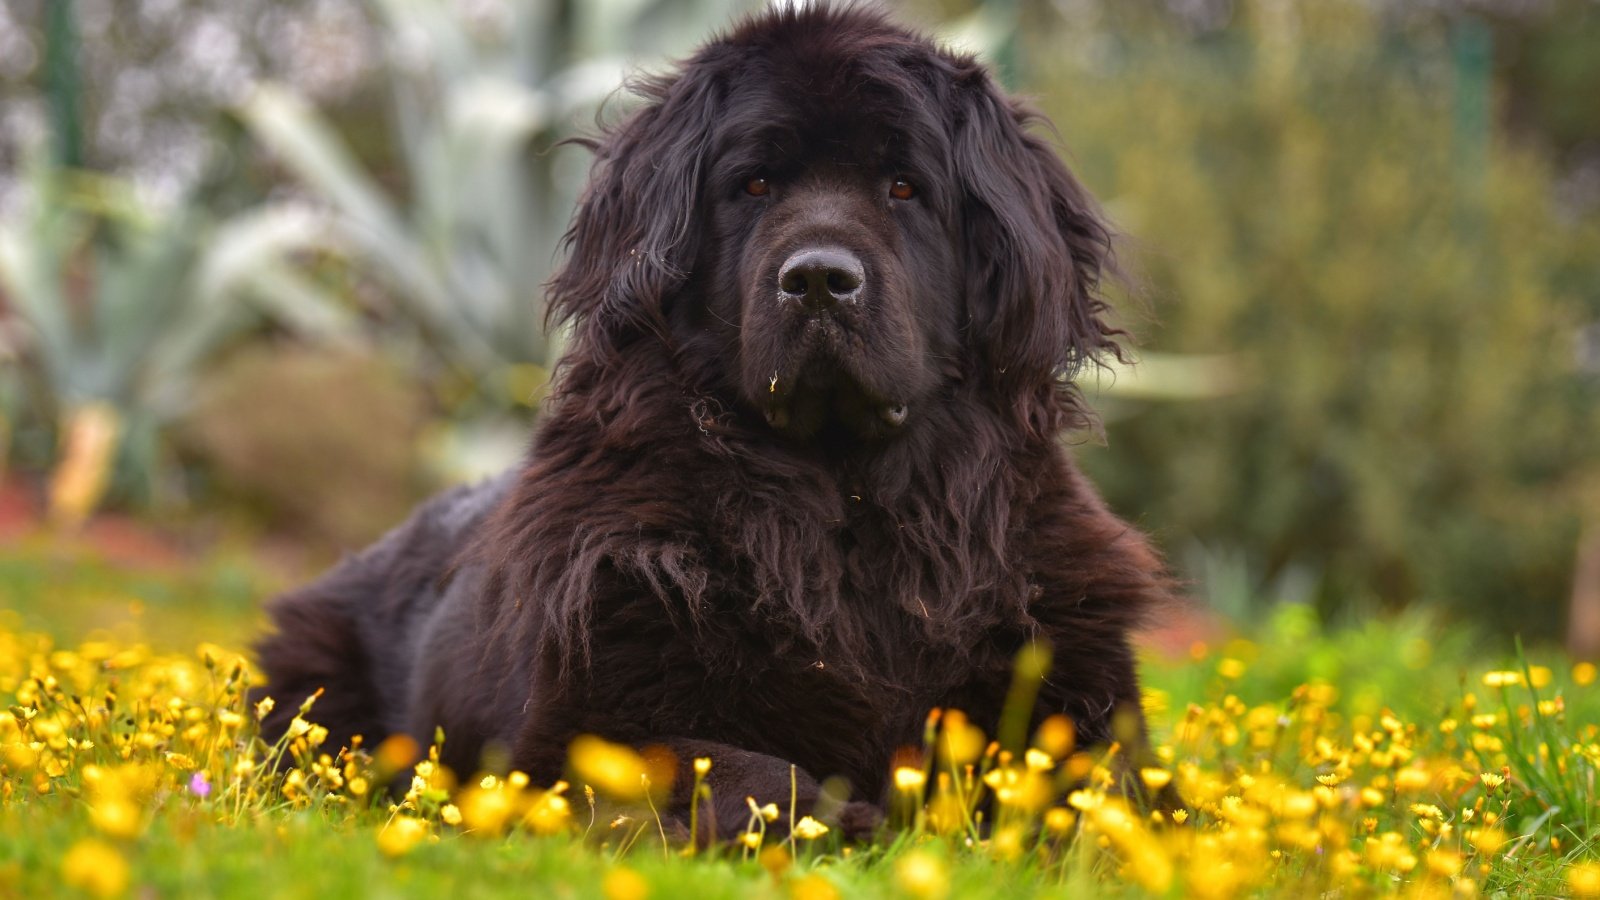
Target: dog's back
x,y
352,632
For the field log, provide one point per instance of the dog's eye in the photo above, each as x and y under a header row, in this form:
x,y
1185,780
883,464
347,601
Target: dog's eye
x,y
757,187
902,189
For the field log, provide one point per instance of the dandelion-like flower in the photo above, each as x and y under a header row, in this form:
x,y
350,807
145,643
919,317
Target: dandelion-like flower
x,y
910,779
1500,679
809,829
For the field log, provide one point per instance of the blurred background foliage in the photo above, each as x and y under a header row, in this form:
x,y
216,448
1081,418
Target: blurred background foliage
x,y
240,240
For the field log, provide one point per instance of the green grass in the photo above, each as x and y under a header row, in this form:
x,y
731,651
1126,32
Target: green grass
x,y
1411,675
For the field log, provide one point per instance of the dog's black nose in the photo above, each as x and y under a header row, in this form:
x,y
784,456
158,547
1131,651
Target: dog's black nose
x,y
822,278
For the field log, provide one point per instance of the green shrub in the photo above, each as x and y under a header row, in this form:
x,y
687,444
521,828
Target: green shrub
x,y
1326,200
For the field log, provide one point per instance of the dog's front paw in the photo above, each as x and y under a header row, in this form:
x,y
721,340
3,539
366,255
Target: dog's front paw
x,y
858,820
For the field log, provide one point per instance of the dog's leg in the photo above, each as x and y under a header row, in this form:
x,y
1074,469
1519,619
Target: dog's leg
x,y
1100,693
738,776
317,651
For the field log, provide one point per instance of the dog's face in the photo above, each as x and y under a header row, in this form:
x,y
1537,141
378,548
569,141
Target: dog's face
x,y
830,259
836,223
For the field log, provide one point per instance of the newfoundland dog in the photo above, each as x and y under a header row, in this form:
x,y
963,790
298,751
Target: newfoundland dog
x,y
801,478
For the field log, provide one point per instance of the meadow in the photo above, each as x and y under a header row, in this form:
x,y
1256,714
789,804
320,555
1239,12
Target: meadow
x,y
1384,756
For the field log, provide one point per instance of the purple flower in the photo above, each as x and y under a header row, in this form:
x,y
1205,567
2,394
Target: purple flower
x,y
199,785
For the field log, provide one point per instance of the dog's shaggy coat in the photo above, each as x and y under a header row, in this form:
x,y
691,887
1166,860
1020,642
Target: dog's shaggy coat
x,y
753,527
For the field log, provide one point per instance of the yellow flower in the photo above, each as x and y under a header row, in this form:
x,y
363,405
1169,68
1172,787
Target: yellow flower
x,y
1085,800
1487,840
809,829
400,835
1155,779
1584,880
1231,669
1059,819
1492,780
702,765
485,811
96,867
180,761
922,875
395,753
622,883
451,814
1038,761
909,779
550,812
1412,778
613,769
117,817
1444,863
775,860
960,741
813,887
1056,736
1583,674
1501,679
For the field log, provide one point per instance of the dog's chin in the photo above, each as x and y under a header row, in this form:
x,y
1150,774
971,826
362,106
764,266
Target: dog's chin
x,y
837,413
822,396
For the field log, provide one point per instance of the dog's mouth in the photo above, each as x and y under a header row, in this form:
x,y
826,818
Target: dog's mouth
x,y
830,376
823,398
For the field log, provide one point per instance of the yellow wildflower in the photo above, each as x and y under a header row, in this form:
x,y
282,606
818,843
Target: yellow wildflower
x,y
1583,880
909,779
1155,779
623,883
96,867
809,829
1502,679
813,887
613,769
400,835
922,875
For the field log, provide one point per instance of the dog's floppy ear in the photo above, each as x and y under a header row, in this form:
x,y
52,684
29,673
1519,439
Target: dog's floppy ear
x,y
1037,246
633,237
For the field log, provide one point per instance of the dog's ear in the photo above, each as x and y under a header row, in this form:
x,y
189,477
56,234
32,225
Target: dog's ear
x,y
1037,246
633,237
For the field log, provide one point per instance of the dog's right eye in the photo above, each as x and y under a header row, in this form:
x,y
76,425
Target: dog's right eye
x,y
757,187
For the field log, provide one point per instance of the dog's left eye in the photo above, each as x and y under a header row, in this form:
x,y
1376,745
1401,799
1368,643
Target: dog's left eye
x,y
902,189
757,187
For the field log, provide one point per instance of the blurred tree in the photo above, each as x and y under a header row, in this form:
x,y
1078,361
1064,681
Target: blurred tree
x,y
110,308
1307,189
144,102
463,242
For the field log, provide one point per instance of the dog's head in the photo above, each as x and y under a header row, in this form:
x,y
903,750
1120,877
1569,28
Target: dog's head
x,y
838,224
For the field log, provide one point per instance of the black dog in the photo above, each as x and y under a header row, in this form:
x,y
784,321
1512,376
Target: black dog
x,y
801,478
